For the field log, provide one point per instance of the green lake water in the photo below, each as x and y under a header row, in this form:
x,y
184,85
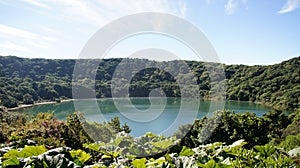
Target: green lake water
x,y
157,115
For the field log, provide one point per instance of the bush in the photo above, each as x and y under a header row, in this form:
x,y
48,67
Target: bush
x,y
46,129
118,149
115,123
294,127
290,142
226,126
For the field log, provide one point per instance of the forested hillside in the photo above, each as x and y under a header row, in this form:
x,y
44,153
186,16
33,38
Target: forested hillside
x,y
25,81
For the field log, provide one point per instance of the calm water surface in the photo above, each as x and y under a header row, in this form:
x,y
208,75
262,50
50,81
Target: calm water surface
x,y
157,115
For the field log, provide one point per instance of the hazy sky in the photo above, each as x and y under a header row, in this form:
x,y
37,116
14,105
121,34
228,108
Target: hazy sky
x,y
242,31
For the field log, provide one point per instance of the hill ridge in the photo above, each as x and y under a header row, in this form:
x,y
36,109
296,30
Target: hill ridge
x,y
24,80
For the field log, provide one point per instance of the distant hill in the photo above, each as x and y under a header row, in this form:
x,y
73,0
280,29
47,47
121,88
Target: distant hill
x,y
25,81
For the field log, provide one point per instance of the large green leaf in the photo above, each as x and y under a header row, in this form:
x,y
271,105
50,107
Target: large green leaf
x,y
79,156
93,146
265,151
139,163
163,144
10,162
28,151
32,151
186,151
11,154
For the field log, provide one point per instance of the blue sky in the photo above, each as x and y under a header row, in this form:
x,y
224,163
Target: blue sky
x,y
242,31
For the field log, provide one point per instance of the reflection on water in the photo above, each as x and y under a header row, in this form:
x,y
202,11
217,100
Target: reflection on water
x,y
143,114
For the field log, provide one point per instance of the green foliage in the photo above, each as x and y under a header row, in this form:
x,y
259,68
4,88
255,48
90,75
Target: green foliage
x,y
239,140
142,146
80,157
27,151
186,152
46,129
139,163
216,155
164,144
294,127
226,126
74,133
11,158
28,99
150,150
99,132
115,123
29,80
290,142
265,151
10,162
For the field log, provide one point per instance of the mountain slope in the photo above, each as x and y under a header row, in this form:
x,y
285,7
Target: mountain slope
x,y
25,80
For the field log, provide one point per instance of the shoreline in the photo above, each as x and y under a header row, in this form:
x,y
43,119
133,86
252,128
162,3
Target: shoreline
x,y
22,106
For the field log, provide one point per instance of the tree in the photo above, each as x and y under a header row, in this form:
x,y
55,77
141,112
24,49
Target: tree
x,y
27,99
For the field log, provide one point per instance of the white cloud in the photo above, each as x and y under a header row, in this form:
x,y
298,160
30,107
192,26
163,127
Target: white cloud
x,y
70,16
7,31
47,29
289,6
100,12
230,7
12,46
16,41
38,43
36,3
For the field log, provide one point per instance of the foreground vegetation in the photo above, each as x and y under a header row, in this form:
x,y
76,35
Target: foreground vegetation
x,y
239,140
26,81
224,140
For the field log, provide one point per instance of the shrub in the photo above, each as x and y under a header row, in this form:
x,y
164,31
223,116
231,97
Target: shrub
x,y
226,126
290,142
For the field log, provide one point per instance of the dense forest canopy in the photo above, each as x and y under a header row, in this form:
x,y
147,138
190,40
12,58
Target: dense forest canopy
x,y
25,81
